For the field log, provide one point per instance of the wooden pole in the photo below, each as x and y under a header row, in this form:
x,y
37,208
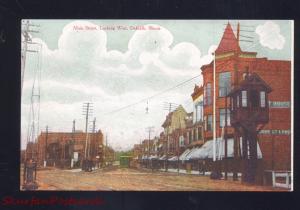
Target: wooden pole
x,y
225,138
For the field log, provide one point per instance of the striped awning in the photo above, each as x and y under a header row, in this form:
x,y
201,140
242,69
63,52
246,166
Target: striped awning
x,y
206,151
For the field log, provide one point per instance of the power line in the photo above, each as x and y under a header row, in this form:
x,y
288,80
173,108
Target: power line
x,y
153,96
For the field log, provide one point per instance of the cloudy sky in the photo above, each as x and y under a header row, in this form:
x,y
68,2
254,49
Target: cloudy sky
x,y
112,63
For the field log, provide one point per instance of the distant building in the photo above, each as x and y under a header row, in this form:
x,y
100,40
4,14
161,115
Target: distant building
x,y
174,130
137,151
175,120
59,148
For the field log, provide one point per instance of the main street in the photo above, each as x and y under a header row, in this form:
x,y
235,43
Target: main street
x,y
124,179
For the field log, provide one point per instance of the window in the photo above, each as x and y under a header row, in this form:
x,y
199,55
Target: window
x,y
262,99
198,112
205,123
237,101
207,94
244,98
199,133
181,141
254,98
222,117
224,83
195,134
209,122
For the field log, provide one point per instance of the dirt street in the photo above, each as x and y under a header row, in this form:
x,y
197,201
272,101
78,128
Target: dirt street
x,y
125,179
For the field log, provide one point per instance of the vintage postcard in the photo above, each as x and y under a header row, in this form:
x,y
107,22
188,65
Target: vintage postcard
x,y
157,105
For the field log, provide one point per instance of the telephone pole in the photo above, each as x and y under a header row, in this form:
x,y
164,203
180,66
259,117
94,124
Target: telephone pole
x,y
168,106
27,40
73,127
34,112
93,138
46,149
225,135
105,151
248,38
87,111
149,129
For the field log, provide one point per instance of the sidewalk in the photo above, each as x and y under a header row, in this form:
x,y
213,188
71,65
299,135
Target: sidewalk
x,y
193,172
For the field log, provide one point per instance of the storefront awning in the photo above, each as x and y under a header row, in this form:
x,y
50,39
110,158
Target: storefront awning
x,y
153,157
144,157
162,157
183,155
206,151
174,158
188,155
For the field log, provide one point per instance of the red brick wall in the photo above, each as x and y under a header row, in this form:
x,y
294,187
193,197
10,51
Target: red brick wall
x,y
277,74
61,137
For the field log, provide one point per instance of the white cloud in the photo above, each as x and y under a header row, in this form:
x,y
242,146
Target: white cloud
x,y
81,42
182,56
150,40
269,35
82,69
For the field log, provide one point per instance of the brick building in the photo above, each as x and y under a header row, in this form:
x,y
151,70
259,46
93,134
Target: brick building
x,y
231,64
195,133
59,148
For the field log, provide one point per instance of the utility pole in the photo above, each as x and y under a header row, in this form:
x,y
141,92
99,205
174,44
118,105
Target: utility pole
x,y
93,138
106,149
225,136
168,106
34,113
46,147
149,129
214,109
73,137
87,111
27,40
236,143
71,149
73,127
180,133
